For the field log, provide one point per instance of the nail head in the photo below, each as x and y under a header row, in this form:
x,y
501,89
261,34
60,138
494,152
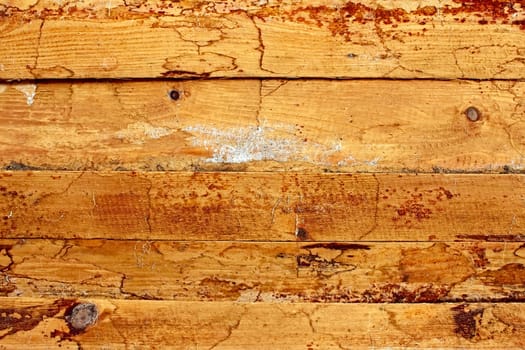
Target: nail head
x,y
473,114
174,95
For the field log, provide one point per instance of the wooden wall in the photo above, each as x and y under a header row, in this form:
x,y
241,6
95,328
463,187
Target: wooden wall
x,y
313,174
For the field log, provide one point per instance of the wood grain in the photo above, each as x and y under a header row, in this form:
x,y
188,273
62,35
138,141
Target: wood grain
x,y
264,272
41,324
145,39
268,125
262,206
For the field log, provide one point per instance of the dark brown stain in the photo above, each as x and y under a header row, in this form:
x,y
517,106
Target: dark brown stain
x,y
184,74
6,286
17,166
337,246
479,256
466,320
509,274
5,249
413,208
441,191
404,293
13,320
301,234
492,238
314,264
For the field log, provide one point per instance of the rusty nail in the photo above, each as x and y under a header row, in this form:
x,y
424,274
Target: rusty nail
x,y
82,316
473,114
174,95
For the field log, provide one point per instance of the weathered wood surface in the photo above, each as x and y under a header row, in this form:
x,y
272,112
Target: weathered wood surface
x,y
44,324
264,272
254,125
262,206
138,39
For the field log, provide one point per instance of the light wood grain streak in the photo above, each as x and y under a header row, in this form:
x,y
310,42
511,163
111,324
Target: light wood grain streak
x,y
402,39
261,206
372,126
264,272
228,325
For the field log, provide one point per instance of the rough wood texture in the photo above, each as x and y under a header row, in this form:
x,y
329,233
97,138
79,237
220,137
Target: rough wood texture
x,y
264,125
104,193
262,206
41,324
264,272
393,39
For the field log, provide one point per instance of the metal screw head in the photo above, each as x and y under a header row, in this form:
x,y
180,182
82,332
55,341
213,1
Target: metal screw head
x,y
473,114
174,95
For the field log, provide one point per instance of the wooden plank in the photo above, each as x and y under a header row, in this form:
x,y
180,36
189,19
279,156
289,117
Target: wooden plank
x,y
266,125
44,323
264,272
401,39
262,206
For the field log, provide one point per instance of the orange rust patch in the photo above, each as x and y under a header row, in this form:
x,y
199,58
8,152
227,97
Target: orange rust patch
x,y
438,264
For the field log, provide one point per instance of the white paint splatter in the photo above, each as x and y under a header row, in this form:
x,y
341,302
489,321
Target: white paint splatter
x,y
3,87
29,90
137,133
246,144
239,145
350,160
156,132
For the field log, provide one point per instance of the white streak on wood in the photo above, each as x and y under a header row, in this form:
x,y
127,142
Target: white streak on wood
x,y
264,143
29,90
239,145
138,133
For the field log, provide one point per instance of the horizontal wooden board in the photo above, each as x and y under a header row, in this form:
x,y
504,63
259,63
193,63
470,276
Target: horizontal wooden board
x,y
264,272
137,39
255,125
45,324
262,206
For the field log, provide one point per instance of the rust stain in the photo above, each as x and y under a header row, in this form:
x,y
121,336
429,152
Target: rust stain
x,y
492,238
212,288
467,320
316,265
479,256
404,293
121,209
421,204
336,18
13,320
509,274
439,264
